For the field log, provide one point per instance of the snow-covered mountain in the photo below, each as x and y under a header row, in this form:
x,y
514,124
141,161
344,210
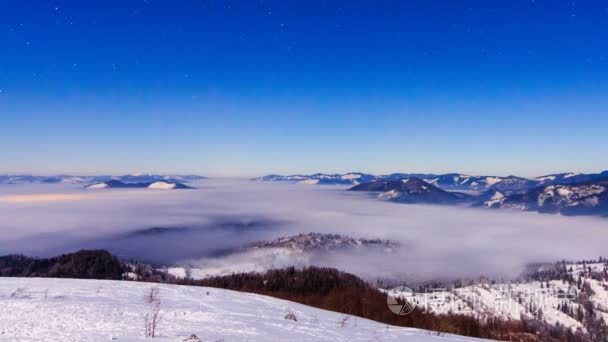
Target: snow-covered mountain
x,y
586,198
454,181
353,178
569,178
143,178
450,181
412,190
322,178
565,193
70,179
158,185
326,242
37,309
31,179
297,250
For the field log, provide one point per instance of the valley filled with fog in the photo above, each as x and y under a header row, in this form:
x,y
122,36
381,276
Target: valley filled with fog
x,y
207,228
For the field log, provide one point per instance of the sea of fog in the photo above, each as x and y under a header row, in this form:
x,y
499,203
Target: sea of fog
x,y
170,226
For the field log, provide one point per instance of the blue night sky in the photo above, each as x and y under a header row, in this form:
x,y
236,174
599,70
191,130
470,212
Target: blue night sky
x,y
240,88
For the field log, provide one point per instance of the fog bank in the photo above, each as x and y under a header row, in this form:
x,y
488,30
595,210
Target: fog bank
x,y
204,223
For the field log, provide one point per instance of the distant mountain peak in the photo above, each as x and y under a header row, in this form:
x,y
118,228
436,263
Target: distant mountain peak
x,y
158,185
412,190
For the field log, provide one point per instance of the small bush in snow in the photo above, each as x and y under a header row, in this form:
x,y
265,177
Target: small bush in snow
x,y
151,321
344,321
192,338
291,316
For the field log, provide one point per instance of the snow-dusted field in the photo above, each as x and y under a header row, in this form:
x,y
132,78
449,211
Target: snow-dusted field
x,y
35,309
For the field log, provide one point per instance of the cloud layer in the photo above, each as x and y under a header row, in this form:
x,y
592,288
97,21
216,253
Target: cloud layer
x,y
202,224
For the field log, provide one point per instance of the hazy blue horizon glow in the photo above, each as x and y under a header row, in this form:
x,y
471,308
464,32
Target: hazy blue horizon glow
x,y
224,88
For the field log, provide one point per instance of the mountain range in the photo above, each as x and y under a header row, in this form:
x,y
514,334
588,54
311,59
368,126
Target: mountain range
x,y
583,198
450,181
160,185
71,179
322,179
561,193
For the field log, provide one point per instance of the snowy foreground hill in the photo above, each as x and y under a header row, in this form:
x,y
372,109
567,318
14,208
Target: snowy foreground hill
x,y
35,309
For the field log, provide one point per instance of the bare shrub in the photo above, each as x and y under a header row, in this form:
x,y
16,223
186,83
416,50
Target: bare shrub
x,y
20,292
291,316
151,321
152,318
344,321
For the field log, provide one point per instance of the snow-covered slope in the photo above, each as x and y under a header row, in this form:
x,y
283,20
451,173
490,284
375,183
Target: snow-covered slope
x,y
506,301
35,309
569,178
162,185
588,198
569,295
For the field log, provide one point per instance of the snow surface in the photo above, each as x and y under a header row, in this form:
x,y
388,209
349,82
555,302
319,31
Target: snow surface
x,y
389,194
505,301
542,179
493,180
98,186
35,309
309,181
497,195
162,185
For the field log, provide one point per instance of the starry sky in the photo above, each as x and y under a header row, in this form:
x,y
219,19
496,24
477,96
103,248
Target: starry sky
x,y
243,88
